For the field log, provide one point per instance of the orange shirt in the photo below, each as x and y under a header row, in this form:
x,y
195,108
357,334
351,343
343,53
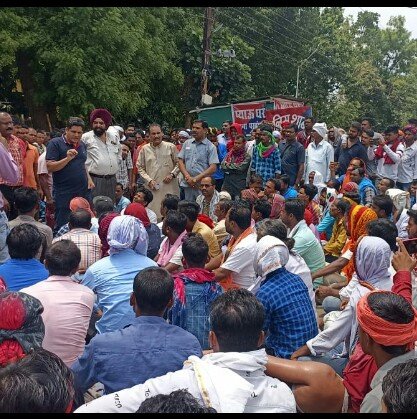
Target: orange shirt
x,y
29,162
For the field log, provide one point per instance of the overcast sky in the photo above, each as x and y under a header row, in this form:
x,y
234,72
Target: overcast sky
x,y
386,12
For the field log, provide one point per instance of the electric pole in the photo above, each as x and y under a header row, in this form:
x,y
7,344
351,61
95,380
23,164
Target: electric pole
x,y
208,29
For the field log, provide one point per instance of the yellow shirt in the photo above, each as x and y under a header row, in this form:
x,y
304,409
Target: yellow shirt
x,y
335,245
208,236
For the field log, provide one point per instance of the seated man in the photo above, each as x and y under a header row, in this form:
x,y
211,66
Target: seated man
x,y
233,374
144,196
222,207
111,278
399,387
23,269
209,197
170,252
67,304
178,401
191,211
333,248
306,244
39,382
147,348
26,202
195,289
290,318
88,242
236,265
261,211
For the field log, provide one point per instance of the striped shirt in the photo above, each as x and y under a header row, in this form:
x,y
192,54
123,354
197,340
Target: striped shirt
x,y
89,244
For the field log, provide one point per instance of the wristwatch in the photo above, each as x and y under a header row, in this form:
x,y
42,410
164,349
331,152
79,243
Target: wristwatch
x,y
173,175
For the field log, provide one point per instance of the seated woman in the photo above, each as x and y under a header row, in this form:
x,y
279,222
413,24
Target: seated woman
x,y
372,263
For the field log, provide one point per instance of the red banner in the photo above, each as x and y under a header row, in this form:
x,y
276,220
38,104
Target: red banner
x,y
285,103
249,115
291,115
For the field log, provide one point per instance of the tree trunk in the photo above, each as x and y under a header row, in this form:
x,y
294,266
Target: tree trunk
x,y
37,112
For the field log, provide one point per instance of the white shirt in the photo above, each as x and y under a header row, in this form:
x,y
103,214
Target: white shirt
x,y
102,158
240,262
232,382
297,266
318,158
407,168
151,215
388,170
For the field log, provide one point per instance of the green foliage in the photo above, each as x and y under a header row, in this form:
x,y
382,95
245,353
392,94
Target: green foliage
x,y
146,63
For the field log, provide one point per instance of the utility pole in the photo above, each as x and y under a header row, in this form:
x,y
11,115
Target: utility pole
x,y
298,68
208,29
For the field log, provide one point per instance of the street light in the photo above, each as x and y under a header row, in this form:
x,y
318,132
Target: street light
x,y
298,69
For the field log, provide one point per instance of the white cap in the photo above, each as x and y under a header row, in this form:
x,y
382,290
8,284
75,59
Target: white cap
x,y
321,129
276,134
183,134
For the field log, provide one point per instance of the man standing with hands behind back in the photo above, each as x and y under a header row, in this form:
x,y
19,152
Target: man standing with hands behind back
x,y
157,164
65,159
197,160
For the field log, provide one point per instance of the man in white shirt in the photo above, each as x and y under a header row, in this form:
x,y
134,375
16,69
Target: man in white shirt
x,y
236,268
103,152
388,153
231,379
407,169
319,153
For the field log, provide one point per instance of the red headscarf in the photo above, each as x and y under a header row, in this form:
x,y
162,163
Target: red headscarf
x,y
139,211
231,141
21,325
80,203
383,331
103,228
206,220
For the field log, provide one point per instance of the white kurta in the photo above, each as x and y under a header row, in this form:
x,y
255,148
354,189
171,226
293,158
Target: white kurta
x,y
155,163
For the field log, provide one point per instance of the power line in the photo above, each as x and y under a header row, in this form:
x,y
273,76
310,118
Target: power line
x,y
274,52
291,39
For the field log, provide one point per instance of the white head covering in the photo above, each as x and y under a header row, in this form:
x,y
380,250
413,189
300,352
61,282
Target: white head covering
x,y
321,129
184,134
373,259
224,195
276,134
127,232
270,253
400,198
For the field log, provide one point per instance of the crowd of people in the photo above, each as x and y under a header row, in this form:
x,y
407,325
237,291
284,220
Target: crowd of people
x,y
207,271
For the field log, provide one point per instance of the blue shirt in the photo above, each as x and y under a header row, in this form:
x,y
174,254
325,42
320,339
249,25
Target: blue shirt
x,y
197,157
20,273
123,203
73,177
194,317
347,154
290,192
292,156
221,153
326,225
111,278
289,314
266,167
148,348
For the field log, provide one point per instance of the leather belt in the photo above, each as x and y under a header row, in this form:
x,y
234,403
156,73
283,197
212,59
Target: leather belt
x,y
102,176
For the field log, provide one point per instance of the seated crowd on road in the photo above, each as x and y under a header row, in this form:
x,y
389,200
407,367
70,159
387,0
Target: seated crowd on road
x,y
204,270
